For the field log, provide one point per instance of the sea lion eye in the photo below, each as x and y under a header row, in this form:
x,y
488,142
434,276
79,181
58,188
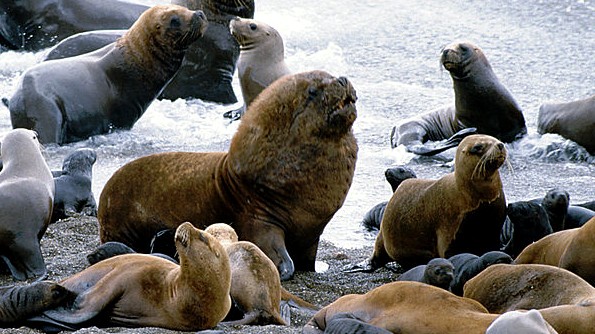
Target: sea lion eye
x,y
253,26
477,148
312,93
175,22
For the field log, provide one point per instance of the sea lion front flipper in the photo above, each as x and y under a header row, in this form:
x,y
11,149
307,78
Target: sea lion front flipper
x,y
361,267
25,260
453,141
346,323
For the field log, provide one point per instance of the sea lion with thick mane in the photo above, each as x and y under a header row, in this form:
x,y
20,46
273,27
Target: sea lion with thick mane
x,y
481,102
140,290
120,80
74,194
571,249
572,120
508,287
423,215
407,307
26,200
296,138
262,57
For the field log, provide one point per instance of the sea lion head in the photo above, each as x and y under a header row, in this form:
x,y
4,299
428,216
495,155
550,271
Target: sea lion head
x,y
440,272
457,57
80,162
556,200
195,247
251,33
222,232
396,175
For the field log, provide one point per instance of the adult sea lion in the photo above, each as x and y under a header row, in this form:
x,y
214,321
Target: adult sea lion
x,y
73,185
262,56
423,215
571,249
508,287
121,79
26,200
296,138
36,25
467,266
407,307
19,302
572,120
481,102
140,290
438,272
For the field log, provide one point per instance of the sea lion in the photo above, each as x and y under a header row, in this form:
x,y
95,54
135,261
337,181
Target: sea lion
x,y
423,215
572,120
296,138
121,79
36,25
556,203
569,249
19,302
587,205
520,322
438,272
262,56
467,266
508,287
481,102
394,176
73,185
577,216
404,307
26,200
139,290
526,222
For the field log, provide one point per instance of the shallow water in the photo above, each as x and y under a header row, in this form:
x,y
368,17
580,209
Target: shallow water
x,y
541,50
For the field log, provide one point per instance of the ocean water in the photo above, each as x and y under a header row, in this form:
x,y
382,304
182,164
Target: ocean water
x,y
542,51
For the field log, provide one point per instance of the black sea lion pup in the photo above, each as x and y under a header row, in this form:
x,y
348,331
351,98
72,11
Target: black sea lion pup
x,y
438,272
577,216
73,185
423,216
527,222
253,185
19,302
469,265
556,203
139,290
587,205
26,200
481,102
121,79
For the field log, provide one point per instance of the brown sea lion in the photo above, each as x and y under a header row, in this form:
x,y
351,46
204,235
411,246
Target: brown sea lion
x,y
408,307
569,249
19,302
140,290
296,138
423,215
119,81
572,120
262,56
508,287
481,102
26,200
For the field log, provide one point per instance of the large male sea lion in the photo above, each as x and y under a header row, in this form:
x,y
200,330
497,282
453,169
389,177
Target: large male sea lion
x,y
407,307
19,302
26,200
572,120
571,249
481,102
72,99
287,171
140,290
423,215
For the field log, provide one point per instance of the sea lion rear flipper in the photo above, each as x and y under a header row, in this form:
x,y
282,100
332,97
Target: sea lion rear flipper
x,y
342,323
453,141
47,325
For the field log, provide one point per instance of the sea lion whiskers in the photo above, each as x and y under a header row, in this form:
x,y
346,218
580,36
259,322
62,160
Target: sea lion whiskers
x,y
489,160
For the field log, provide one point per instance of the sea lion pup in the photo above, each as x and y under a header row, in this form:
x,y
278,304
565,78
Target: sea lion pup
x,y
527,222
26,200
73,185
577,216
121,79
19,302
481,102
404,307
438,272
140,290
423,215
295,138
587,205
556,203
569,249
467,266
262,57
572,120
508,287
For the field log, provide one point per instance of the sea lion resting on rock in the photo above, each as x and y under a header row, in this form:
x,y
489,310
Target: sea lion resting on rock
x,y
481,102
139,290
73,185
467,266
408,307
572,120
26,200
296,138
423,216
569,249
120,80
